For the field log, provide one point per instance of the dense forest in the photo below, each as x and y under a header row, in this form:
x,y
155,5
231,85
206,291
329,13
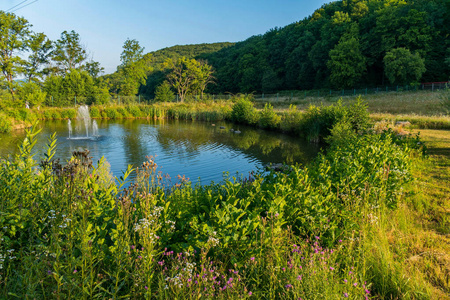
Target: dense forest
x,y
343,44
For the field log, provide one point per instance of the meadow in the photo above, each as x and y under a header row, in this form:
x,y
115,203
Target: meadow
x,y
367,219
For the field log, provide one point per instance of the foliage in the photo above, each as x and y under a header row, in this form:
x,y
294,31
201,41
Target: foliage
x,y
5,123
164,92
133,70
401,66
73,85
13,39
41,51
69,53
31,93
268,119
243,111
347,64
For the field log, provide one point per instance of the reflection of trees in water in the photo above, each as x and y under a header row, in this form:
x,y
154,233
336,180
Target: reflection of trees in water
x,y
134,149
186,139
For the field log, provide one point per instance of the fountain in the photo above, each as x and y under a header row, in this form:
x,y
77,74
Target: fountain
x,y
84,124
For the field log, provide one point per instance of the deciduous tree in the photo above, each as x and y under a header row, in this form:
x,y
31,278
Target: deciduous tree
x,y
14,33
403,67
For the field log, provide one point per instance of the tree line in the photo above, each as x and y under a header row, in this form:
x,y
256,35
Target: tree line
x,y
343,44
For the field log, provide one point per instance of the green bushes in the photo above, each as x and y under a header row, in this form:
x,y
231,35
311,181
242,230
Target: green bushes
x,y
268,119
243,111
5,123
94,112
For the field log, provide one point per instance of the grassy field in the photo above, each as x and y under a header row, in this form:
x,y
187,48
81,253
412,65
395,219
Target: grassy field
x,y
417,234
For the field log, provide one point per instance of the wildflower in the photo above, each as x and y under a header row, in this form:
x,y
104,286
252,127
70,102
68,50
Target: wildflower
x,y
345,281
146,287
340,241
75,271
331,268
288,286
345,295
299,277
355,284
250,293
252,258
317,238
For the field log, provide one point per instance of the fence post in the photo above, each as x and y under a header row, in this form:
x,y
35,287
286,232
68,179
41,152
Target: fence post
x,y
177,98
387,89
139,98
354,92
432,87
277,96
75,100
52,100
305,94
377,90
397,88
366,91
318,93
423,87
119,99
263,95
330,92
343,92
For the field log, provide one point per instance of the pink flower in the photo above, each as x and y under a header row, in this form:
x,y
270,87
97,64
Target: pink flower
x,y
74,271
250,293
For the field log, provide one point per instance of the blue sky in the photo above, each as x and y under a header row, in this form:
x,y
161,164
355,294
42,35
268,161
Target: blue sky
x,y
104,25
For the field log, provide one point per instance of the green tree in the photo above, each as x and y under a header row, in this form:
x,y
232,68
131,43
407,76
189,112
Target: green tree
x,y
403,67
14,33
31,93
41,50
164,92
347,63
203,76
69,53
183,75
134,68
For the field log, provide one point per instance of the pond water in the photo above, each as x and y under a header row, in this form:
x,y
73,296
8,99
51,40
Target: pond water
x,y
197,150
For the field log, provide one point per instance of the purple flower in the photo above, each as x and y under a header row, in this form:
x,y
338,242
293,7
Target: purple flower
x,y
284,269
252,258
132,247
49,272
146,287
250,293
74,271
345,295
331,268
367,291
340,241
317,238
345,281
355,284
288,286
299,277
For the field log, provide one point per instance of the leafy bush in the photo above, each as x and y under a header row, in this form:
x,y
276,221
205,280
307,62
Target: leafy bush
x,y
290,120
94,112
164,92
268,119
244,112
31,93
5,123
112,113
134,111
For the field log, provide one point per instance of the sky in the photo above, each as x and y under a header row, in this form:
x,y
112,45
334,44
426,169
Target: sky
x,y
104,25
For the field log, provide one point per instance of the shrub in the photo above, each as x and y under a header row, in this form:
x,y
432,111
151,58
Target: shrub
x,y
164,92
94,112
134,111
5,123
244,112
268,119
112,113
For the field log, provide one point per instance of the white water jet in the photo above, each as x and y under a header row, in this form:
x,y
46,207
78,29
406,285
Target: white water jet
x,y
83,123
83,117
94,128
69,125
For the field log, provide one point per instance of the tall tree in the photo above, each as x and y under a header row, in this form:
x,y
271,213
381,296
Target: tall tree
x,y
133,69
183,75
69,53
41,50
403,67
347,64
14,33
204,76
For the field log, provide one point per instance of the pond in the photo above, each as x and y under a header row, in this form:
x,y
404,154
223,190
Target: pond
x,y
199,150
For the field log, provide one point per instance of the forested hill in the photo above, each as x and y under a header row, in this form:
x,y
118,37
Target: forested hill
x,y
158,75
343,44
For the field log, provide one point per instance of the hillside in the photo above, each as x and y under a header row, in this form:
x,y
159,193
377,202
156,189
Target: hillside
x,y
343,44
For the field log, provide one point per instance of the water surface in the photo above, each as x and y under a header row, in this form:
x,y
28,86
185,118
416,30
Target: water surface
x,y
198,150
